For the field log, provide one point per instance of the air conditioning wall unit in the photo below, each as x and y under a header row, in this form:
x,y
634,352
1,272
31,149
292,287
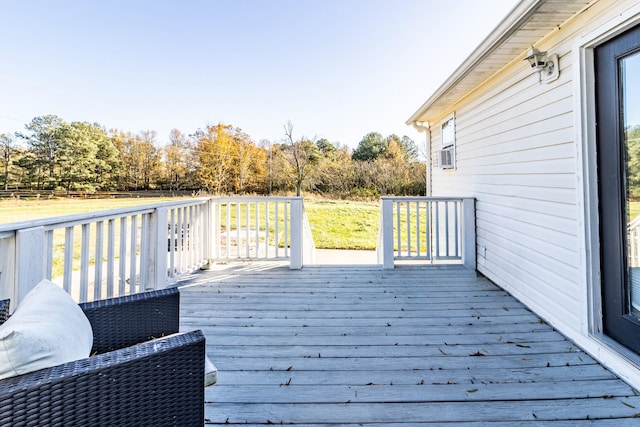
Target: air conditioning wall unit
x,y
446,158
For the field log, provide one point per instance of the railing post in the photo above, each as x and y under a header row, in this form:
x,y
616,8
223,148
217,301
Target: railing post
x,y
7,268
158,248
296,215
469,233
387,234
30,260
207,233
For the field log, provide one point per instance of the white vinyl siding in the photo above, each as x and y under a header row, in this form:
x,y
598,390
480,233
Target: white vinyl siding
x,y
516,153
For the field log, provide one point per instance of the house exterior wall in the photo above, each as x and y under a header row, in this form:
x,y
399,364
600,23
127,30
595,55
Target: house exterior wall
x,y
520,150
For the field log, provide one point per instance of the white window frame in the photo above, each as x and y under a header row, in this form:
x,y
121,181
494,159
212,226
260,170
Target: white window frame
x,y
448,141
449,138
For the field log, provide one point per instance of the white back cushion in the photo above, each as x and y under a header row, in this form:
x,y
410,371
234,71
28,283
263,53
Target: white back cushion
x,y
47,329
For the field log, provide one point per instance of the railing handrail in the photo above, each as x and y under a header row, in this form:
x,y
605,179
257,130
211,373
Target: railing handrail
x,y
255,198
424,198
88,217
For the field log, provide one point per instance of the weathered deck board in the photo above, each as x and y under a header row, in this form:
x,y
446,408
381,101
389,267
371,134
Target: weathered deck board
x,y
414,346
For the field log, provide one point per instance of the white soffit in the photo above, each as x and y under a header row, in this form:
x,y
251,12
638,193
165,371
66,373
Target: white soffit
x,y
526,24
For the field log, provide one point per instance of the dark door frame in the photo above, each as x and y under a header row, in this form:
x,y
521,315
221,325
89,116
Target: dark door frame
x,y
617,323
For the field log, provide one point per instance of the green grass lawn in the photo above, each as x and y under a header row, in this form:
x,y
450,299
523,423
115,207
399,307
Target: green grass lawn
x,y
339,224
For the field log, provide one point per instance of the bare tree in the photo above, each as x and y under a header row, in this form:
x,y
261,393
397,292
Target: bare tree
x,y
301,155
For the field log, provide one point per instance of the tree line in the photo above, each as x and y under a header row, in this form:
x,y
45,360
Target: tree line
x,y
51,154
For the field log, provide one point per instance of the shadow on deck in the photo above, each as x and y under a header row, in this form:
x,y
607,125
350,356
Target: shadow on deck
x,y
411,346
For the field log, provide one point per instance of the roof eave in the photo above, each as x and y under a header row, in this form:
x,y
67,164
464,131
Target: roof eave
x,y
510,25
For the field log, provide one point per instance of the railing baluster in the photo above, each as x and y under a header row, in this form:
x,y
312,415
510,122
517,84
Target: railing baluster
x,y
191,237
144,252
437,229
111,233
267,233
456,227
429,249
446,227
180,240
185,239
408,208
257,233
172,242
133,272
84,263
197,232
236,231
97,277
418,236
398,229
49,254
228,229
184,233
286,229
218,230
68,259
123,257
277,233
247,229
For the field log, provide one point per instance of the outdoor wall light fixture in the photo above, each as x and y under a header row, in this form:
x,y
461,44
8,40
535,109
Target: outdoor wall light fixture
x,y
421,126
546,66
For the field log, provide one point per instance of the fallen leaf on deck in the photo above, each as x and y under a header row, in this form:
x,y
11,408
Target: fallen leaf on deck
x,y
286,384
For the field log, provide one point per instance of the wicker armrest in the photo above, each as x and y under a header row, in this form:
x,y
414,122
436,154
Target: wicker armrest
x,y
159,383
4,310
123,321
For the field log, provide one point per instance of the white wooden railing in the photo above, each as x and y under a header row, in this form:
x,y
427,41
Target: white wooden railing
x,y
427,228
111,253
123,251
262,228
104,254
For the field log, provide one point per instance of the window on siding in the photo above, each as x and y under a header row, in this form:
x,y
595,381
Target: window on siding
x,y
448,132
446,156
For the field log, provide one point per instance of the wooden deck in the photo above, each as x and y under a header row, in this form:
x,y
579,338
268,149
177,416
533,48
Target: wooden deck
x,y
357,346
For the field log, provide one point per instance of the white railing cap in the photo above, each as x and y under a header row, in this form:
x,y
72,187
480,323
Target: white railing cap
x,y
82,218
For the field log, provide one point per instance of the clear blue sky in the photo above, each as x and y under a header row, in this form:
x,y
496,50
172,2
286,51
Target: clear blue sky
x,y
338,69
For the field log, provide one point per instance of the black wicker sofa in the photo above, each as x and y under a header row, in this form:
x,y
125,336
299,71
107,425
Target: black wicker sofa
x,y
142,372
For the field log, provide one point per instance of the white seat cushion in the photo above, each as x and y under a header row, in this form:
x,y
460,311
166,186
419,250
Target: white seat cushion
x,y
47,329
210,372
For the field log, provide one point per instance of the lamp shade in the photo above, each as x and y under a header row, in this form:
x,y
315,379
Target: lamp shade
x,y
537,60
